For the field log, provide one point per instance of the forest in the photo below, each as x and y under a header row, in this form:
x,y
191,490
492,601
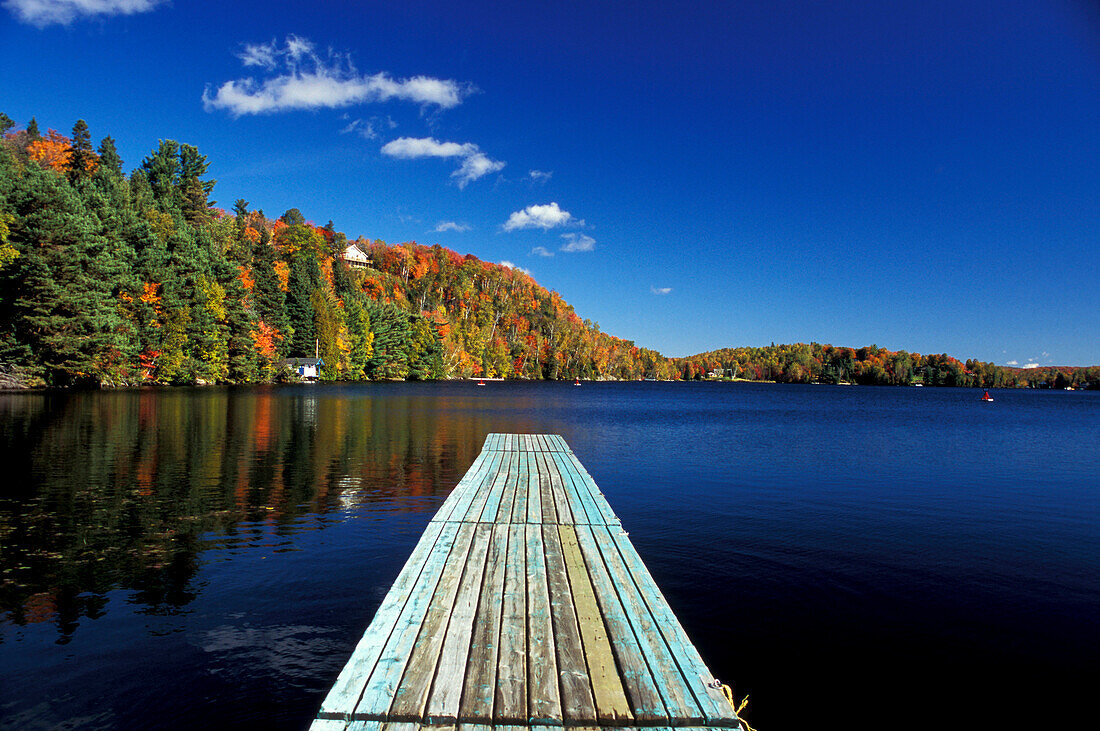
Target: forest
x,y
873,366
109,279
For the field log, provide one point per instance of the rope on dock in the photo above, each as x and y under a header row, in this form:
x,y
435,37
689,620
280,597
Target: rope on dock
x,y
737,708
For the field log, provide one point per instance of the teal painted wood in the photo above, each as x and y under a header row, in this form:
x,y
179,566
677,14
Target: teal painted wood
x,y
578,703
549,512
585,483
712,702
534,489
510,702
584,511
557,486
508,491
671,684
476,489
345,693
519,507
382,684
364,726
481,677
474,474
637,675
543,700
451,672
477,503
327,724
493,495
411,697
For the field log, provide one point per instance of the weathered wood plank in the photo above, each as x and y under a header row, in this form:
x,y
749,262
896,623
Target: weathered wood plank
x,y
716,709
510,702
493,493
345,693
674,689
573,495
612,707
411,696
549,512
519,506
524,606
477,503
534,489
481,675
577,703
475,473
380,687
461,509
543,701
584,482
327,724
450,675
637,676
557,486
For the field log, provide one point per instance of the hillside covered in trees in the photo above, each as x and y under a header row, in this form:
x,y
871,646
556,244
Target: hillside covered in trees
x,y
872,365
109,279
115,279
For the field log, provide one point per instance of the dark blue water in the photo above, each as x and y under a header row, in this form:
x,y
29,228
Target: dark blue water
x,y
851,557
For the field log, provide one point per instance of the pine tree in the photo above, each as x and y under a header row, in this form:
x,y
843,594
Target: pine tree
x,y
270,300
305,278
5,124
82,158
108,156
32,130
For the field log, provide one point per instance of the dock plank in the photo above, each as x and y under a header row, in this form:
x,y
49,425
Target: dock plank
x,y
716,709
411,695
578,703
637,676
543,700
446,693
510,702
612,707
481,679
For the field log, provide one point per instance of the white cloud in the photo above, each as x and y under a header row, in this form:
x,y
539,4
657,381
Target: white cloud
x,y
545,217
539,176
578,242
1031,365
510,265
541,251
451,226
309,81
1013,362
660,290
475,163
363,128
62,12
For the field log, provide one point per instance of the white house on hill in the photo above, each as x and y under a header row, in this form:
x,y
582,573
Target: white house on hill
x,y
355,257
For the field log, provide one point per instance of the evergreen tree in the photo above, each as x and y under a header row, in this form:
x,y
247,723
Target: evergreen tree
x,y
5,124
270,300
305,278
81,155
32,130
109,159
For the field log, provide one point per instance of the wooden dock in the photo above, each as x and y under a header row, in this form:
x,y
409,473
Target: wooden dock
x,y
524,604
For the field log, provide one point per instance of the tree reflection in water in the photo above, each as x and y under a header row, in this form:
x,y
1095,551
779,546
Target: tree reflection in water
x,y
126,490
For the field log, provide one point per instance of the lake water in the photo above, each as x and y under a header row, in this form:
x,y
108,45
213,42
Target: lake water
x,y
859,558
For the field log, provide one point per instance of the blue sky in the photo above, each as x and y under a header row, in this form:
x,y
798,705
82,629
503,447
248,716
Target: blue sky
x,y
921,175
